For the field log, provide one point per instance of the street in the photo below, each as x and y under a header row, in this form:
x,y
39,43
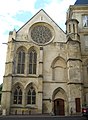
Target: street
x,y
42,118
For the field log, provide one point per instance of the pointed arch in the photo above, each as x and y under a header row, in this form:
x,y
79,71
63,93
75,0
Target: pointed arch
x,y
31,84
59,69
59,93
21,60
32,60
30,94
33,48
17,93
21,48
62,62
18,84
59,98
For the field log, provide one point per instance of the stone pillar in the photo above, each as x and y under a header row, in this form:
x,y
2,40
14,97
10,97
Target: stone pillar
x,y
41,62
40,95
7,79
24,99
40,84
26,64
74,65
6,95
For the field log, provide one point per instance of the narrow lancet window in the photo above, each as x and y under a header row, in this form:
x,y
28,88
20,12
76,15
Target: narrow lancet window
x,y
21,62
32,62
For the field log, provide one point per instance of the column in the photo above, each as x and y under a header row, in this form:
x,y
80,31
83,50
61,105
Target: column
x,y
41,62
40,86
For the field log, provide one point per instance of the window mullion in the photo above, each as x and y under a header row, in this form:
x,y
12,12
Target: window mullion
x,y
21,62
32,61
17,96
31,97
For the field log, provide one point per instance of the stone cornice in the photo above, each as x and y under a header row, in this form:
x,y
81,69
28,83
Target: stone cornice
x,y
75,83
78,7
9,62
53,82
6,91
21,76
9,75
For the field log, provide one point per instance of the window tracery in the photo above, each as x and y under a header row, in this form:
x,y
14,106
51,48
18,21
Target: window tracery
x,y
41,34
17,96
21,62
31,96
32,62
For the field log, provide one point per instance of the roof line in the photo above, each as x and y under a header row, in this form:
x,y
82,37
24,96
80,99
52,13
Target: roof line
x,y
35,15
53,21
29,20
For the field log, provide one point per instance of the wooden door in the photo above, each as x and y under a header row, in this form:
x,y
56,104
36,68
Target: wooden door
x,y
77,102
59,107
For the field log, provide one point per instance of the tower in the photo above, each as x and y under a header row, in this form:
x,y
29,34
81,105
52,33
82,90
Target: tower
x,y
7,79
74,66
79,11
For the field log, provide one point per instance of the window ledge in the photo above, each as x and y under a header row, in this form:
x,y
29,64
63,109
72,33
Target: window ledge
x,y
31,106
23,75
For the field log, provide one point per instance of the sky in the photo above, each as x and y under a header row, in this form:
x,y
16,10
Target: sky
x,y
15,13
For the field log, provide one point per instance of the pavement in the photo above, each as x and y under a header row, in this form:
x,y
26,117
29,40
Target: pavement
x,y
41,117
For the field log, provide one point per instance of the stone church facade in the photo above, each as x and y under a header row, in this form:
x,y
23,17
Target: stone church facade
x,y
47,69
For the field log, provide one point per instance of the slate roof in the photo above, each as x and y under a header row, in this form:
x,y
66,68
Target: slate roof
x,y
81,2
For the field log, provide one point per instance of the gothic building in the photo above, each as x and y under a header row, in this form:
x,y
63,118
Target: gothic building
x,y
47,69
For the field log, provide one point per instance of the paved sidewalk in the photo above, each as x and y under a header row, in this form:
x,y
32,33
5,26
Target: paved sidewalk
x,y
41,117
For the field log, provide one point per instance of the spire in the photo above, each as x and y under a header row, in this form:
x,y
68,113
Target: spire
x,y
81,2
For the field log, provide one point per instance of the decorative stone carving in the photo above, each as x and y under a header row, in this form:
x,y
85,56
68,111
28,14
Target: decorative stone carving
x,y
41,34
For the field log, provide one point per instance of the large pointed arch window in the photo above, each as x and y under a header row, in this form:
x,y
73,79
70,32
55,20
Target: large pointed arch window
x,y
32,62
31,96
21,62
17,96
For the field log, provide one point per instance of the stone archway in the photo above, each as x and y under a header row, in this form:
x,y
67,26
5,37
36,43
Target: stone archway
x,y
59,69
59,102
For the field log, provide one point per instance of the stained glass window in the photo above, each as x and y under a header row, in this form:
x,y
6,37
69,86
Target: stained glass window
x,y
31,96
21,62
17,96
41,34
32,62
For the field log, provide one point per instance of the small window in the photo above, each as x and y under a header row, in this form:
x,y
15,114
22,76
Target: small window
x,y
85,21
31,96
21,62
32,62
17,96
69,28
73,28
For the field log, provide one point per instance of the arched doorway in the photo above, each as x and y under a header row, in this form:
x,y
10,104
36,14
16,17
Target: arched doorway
x,y
59,107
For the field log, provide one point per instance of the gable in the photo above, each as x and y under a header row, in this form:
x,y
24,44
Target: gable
x,y
41,21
